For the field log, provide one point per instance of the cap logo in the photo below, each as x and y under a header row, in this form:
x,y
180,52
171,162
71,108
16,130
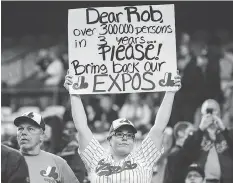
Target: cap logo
x,y
30,115
194,165
125,121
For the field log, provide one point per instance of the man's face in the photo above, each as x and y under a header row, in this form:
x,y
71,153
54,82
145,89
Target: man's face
x,y
69,131
123,141
106,103
211,105
134,97
48,133
229,56
194,177
184,133
184,50
28,136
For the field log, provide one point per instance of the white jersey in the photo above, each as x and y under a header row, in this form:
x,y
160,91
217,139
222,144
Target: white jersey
x,y
135,168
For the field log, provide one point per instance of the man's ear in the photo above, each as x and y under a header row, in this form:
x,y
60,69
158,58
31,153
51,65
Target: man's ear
x,y
109,141
42,134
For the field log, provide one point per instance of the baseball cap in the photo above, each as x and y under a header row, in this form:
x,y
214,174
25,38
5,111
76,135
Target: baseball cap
x,y
197,168
116,124
181,126
33,117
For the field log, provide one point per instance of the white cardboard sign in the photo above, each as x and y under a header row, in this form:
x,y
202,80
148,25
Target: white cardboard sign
x,y
122,49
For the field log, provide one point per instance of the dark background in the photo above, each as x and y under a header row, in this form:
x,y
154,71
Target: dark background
x,y
24,18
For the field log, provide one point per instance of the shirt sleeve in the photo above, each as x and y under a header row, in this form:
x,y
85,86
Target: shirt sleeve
x,y
68,175
148,153
93,153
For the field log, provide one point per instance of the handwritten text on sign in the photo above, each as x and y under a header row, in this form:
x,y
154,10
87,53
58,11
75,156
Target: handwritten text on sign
x,y
122,49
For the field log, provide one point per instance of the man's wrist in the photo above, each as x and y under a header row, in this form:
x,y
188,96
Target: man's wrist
x,y
75,95
171,92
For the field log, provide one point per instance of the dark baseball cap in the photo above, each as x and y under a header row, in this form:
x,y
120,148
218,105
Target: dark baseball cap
x,y
197,168
32,117
116,124
181,126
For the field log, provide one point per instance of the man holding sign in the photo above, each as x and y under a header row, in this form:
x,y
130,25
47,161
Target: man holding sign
x,y
121,164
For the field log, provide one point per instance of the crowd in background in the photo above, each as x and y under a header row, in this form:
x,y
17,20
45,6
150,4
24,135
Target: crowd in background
x,y
206,65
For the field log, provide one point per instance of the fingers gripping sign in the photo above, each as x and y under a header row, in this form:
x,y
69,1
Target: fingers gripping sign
x,y
68,81
177,80
167,81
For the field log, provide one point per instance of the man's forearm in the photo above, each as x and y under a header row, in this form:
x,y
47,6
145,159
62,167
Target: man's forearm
x,y
78,112
164,111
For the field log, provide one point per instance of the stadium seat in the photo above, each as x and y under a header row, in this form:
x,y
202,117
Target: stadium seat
x,y
53,110
6,111
25,109
8,128
10,118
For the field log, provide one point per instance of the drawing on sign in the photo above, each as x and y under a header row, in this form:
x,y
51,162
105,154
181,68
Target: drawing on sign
x,y
122,49
81,83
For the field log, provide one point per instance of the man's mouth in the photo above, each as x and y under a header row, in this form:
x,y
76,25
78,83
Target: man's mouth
x,y
23,140
123,144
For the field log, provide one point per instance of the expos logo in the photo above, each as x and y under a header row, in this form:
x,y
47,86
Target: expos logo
x,y
49,173
30,115
80,84
107,169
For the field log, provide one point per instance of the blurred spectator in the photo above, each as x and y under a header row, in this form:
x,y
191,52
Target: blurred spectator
x,y
226,64
213,144
55,71
189,97
65,60
208,59
52,70
195,174
137,110
5,97
91,110
184,57
185,38
14,168
228,52
153,100
210,56
53,134
11,142
181,155
51,73
199,65
43,60
120,99
107,113
159,168
70,151
67,114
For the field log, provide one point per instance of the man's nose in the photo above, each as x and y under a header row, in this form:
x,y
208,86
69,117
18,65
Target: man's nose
x,y
24,132
124,138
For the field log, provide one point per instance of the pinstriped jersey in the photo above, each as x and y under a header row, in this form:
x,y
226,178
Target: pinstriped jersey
x,y
135,168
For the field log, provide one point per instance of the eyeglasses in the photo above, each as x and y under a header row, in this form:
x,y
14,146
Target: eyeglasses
x,y
122,135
